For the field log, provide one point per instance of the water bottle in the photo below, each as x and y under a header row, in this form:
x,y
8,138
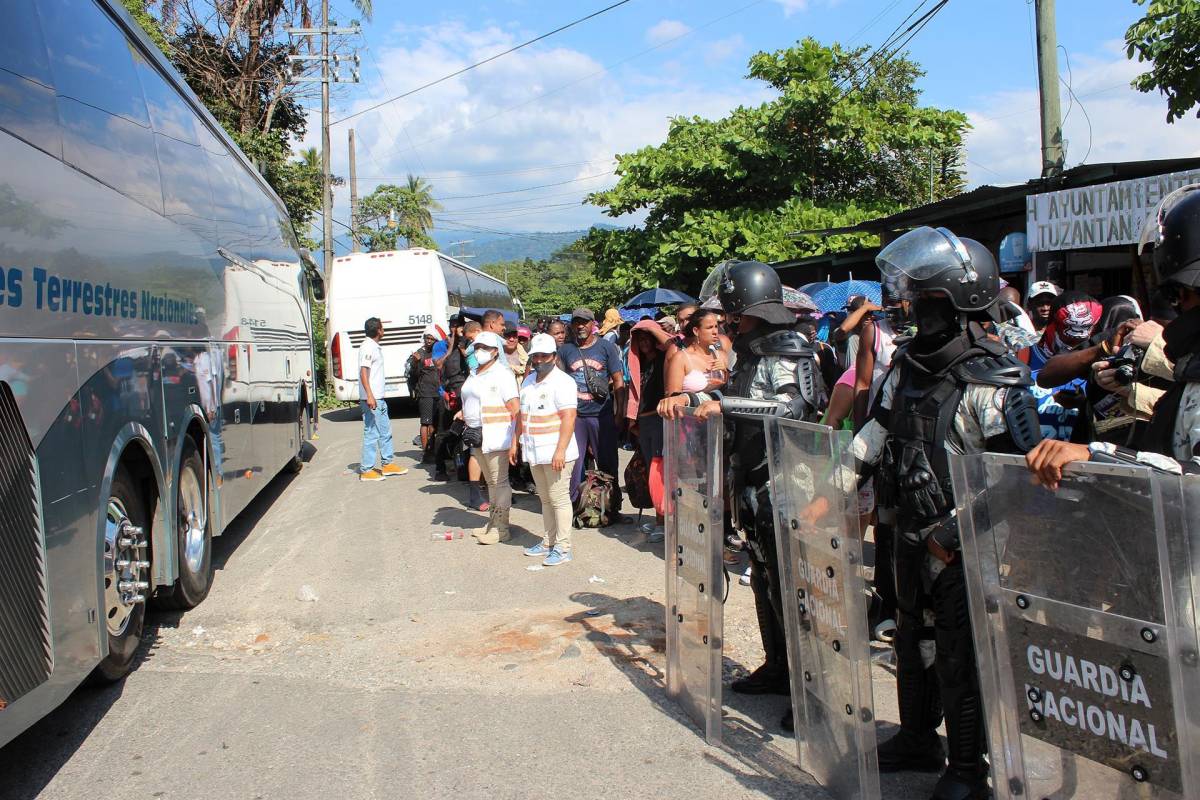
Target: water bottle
x,y
445,537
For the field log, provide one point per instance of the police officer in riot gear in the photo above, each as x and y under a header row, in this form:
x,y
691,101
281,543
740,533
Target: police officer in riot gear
x,y
1172,440
950,388
776,373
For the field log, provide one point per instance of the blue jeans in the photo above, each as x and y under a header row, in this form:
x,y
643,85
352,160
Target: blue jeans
x,y
377,432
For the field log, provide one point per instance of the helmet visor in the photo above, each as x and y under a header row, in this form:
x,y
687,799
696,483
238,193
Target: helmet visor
x,y
1152,227
922,254
712,284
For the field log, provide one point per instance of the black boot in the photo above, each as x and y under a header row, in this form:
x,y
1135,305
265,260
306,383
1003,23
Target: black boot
x,y
788,723
912,752
958,784
767,679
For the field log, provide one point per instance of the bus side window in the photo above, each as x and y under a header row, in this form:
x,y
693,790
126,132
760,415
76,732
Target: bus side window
x,y
26,85
106,130
458,290
187,195
227,196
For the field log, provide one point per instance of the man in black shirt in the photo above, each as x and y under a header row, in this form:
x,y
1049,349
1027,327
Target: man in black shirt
x,y
426,384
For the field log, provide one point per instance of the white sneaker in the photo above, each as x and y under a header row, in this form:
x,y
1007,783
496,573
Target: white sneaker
x,y
745,579
655,535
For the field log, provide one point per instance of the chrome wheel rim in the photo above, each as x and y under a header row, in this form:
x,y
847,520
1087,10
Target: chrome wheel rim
x,y
123,567
193,520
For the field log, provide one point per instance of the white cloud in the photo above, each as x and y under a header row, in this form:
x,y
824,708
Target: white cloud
x,y
722,49
793,6
666,30
1126,125
492,119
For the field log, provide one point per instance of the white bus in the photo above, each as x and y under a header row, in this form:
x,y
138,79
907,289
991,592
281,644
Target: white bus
x,y
407,290
156,362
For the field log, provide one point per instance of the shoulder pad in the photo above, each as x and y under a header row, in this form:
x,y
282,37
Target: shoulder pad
x,y
994,370
788,344
1021,418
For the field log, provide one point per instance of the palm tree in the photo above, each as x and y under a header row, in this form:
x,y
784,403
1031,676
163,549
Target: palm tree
x,y
418,204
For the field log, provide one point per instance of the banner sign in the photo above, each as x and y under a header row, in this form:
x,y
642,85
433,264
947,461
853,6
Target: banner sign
x,y
1097,216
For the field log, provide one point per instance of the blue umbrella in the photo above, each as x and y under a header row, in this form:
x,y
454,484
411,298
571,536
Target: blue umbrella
x,y
811,289
653,298
835,297
635,314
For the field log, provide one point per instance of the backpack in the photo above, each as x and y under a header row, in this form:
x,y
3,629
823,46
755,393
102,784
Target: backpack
x,y
637,482
599,503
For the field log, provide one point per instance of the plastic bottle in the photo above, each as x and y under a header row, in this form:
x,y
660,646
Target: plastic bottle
x,y
445,537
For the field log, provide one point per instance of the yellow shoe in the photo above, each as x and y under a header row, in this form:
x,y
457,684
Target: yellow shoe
x,y
393,469
491,537
371,475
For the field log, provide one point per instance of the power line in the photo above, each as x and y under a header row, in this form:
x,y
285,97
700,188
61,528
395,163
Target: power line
x,y
590,75
527,188
487,60
464,175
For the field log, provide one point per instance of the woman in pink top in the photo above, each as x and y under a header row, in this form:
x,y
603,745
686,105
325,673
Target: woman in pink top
x,y
701,366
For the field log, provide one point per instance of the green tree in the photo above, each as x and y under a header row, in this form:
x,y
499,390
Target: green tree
x,y
1168,37
844,141
391,213
565,281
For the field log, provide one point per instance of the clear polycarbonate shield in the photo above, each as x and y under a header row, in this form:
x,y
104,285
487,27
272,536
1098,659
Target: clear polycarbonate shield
x,y
814,491
695,574
1084,615
1152,228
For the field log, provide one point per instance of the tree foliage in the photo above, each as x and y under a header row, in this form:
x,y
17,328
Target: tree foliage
x,y
391,213
1168,37
844,141
566,280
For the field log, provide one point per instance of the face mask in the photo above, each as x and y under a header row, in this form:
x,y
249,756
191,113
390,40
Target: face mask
x,y
936,317
543,369
484,357
472,361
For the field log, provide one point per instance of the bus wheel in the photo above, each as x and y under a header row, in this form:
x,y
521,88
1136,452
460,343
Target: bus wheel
x,y
302,430
126,575
193,530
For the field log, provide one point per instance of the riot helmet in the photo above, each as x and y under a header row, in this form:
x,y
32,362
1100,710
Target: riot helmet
x,y
748,283
935,260
1174,231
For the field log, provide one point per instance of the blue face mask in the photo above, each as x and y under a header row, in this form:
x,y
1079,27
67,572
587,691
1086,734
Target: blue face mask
x,y
472,362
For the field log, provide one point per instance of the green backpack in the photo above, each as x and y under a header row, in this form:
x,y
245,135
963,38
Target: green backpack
x,y
599,503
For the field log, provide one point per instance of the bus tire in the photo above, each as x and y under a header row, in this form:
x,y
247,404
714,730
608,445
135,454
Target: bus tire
x,y
296,463
193,534
124,612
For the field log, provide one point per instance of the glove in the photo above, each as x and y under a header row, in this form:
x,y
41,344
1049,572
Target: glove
x,y
919,489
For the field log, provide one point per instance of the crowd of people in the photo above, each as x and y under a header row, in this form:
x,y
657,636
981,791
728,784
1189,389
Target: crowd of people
x,y
949,359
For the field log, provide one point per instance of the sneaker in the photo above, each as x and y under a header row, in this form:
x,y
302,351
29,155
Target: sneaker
x,y
393,469
441,475
537,551
646,527
417,440
483,506
557,557
370,475
656,535
745,579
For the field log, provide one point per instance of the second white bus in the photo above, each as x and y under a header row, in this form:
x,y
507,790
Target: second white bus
x,y
407,290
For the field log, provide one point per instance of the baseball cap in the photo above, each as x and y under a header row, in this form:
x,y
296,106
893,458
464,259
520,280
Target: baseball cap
x,y
1044,287
435,331
524,332
543,343
583,313
489,339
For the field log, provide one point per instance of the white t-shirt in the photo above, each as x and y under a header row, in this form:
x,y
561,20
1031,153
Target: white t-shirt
x,y
484,396
540,424
370,355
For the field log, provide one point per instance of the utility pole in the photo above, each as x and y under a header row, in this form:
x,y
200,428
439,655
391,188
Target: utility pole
x,y
330,73
353,198
1047,55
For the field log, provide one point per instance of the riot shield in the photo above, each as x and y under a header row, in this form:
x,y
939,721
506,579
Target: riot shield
x,y
1083,611
695,574
824,590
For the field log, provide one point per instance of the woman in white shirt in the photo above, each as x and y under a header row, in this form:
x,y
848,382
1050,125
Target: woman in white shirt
x,y
489,411
546,432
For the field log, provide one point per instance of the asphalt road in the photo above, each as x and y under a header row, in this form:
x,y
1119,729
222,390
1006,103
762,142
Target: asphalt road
x,y
420,669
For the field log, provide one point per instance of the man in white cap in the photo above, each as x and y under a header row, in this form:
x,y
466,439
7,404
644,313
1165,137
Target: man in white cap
x,y
1042,296
424,369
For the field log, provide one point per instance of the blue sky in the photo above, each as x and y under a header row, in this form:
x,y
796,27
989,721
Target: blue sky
x,y
556,112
